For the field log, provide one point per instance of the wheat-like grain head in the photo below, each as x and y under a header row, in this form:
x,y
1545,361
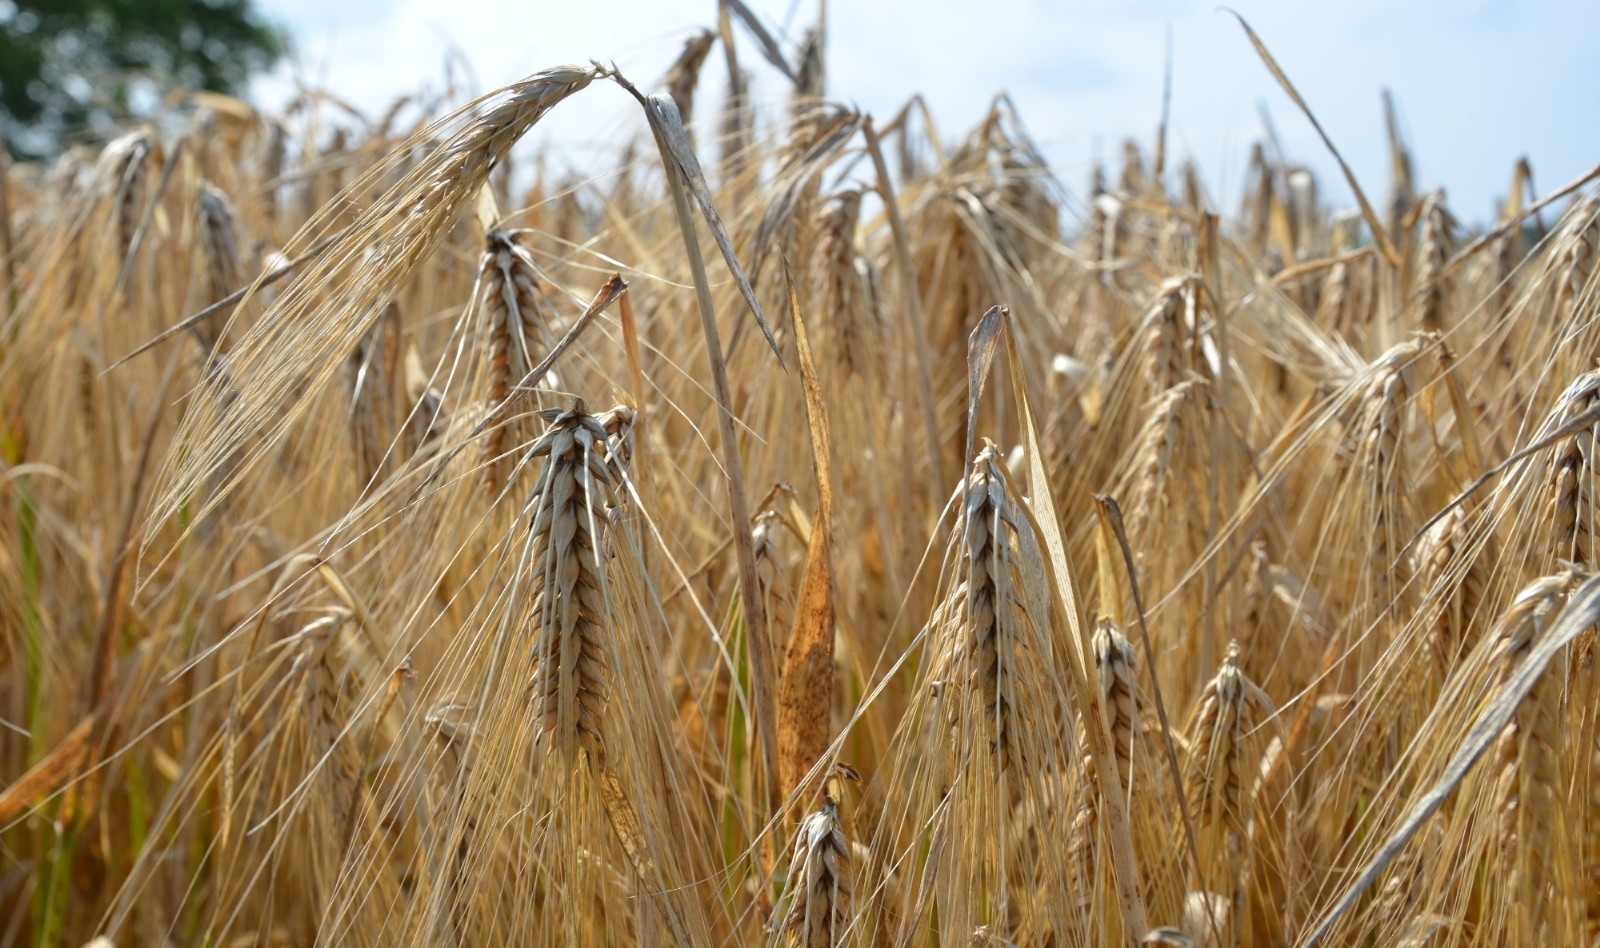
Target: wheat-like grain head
x,y
124,179
1529,799
997,714
1168,343
514,320
219,244
840,297
1577,260
1381,466
1570,507
1158,460
1226,713
569,510
991,650
819,913
1452,575
1115,670
1433,248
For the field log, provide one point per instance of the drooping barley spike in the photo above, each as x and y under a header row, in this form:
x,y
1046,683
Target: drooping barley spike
x,y
773,574
986,741
571,588
1569,498
840,300
1570,508
297,346
1577,260
271,155
371,369
1528,795
219,244
1455,590
1155,448
990,642
1167,335
1229,708
514,316
1507,256
1381,467
819,886
1333,302
325,698
1115,668
1216,767
1024,209
569,511
124,175
1433,249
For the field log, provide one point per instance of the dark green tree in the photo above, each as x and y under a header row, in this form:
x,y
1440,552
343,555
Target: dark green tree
x,y
71,67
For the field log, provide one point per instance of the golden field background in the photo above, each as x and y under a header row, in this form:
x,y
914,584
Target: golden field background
x,y
814,534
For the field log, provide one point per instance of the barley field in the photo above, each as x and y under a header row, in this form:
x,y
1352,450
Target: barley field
x,y
815,533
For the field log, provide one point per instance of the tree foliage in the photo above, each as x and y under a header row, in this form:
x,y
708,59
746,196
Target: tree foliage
x,y
68,67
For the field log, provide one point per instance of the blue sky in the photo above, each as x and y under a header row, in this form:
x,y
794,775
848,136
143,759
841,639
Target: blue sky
x,y
1478,82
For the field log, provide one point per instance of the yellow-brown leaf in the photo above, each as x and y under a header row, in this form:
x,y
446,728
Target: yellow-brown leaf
x,y
805,690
